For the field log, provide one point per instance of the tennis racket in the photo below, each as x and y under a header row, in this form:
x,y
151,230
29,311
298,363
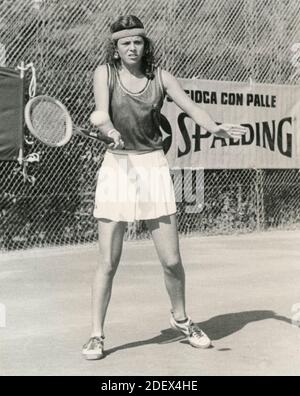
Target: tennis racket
x,y
49,121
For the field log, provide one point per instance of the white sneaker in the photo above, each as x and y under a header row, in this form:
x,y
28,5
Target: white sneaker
x,y
196,337
94,348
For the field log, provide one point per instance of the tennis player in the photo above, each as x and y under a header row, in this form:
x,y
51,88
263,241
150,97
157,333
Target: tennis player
x,y
134,181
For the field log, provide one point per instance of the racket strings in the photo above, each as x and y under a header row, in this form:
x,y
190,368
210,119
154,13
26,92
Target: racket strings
x,y
49,122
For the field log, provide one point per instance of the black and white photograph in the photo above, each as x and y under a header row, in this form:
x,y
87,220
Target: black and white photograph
x,y
149,190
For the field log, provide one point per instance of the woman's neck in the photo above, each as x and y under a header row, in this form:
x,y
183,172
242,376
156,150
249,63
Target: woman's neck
x,y
135,70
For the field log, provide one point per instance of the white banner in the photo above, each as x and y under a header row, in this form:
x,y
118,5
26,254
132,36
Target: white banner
x,y
270,112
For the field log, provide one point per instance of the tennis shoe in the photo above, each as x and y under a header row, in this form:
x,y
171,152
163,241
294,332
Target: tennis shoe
x,y
94,348
196,337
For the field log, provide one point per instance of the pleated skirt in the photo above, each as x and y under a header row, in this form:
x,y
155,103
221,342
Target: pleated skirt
x,y
134,187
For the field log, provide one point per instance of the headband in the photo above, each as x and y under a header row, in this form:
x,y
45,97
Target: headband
x,y
127,33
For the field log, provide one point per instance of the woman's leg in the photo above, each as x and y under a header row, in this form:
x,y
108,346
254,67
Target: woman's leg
x,y
165,236
111,235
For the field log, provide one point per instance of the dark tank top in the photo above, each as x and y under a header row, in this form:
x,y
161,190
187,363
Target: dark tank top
x,y
136,115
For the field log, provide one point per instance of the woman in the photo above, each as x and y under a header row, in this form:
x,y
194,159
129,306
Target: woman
x,y
131,90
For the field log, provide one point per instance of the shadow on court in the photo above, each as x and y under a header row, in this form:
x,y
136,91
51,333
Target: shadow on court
x,y
218,327
224,325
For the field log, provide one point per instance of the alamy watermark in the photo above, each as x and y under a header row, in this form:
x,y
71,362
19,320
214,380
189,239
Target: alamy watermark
x,y
189,187
152,184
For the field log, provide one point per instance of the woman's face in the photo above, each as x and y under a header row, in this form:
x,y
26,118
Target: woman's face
x,y
131,49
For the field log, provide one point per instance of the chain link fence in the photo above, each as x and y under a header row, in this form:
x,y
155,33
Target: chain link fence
x,y
230,40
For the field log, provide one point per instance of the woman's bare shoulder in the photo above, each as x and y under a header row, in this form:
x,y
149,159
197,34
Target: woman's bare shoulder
x,y
101,69
168,78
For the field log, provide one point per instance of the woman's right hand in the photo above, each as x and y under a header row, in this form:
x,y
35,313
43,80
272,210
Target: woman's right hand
x,y
118,142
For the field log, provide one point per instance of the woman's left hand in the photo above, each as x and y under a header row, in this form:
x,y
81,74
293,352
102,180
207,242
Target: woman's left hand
x,y
234,131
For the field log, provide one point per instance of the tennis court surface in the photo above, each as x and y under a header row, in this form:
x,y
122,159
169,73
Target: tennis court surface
x,y
240,290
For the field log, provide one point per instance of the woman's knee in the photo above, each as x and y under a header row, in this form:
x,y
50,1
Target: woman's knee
x,y
172,263
108,268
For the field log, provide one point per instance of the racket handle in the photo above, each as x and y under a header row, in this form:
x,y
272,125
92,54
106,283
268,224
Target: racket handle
x,y
96,136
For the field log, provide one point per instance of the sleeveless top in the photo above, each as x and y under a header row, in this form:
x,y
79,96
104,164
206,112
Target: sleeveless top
x,y
136,115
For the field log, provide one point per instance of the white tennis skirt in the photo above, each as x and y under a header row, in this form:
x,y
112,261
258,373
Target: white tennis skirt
x,y
134,187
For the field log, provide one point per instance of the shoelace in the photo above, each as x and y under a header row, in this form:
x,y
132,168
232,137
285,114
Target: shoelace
x,y
195,331
94,342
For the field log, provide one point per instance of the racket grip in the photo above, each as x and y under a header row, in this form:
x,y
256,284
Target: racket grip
x,y
97,135
102,137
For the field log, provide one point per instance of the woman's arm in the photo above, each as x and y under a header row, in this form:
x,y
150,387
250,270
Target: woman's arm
x,y
200,116
101,94
101,91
